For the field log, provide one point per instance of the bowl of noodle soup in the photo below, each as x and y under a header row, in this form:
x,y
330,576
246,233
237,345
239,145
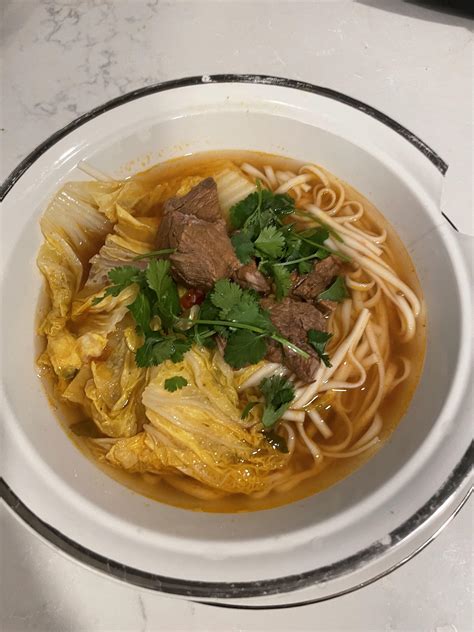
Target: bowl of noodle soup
x,y
303,467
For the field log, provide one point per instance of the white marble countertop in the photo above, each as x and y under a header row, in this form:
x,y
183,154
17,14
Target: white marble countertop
x,y
63,57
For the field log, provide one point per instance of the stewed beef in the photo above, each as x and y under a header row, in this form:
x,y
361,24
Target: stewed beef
x,y
193,225
249,277
294,319
309,286
202,201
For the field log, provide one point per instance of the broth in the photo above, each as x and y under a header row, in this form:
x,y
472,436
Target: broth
x,y
331,469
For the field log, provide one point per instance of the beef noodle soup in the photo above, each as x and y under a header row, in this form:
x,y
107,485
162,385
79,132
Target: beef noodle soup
x,y
227,332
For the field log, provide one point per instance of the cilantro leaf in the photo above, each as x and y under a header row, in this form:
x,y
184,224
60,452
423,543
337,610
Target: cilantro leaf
x,y
282,279
243,246
112,290
243,348
304,267
141,312
282,204
335,292
157,348
270,242
154,351
260,208
181,346
318,340
315,236
278,393
243,210
175,383
204,334
159,280
249,312
124,275
248,407
121,277
226,295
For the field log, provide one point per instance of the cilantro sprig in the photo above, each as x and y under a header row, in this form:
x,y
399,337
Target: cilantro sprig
x,y
229,311
336,292
157,297
175,383
279,249
237,315
278,393
318,340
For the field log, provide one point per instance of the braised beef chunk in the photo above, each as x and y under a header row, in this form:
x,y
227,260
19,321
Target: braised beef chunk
x,y
204,252
294,319
201,201
326,307
309,286
193,225
249,277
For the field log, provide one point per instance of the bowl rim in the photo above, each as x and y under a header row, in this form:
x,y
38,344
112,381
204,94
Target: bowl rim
x,y
224,590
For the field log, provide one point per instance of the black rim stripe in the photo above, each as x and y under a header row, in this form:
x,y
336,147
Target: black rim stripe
x,y
242,590
223,590
16,174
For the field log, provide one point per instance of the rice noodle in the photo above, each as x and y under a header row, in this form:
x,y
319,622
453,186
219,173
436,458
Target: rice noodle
x,y
320,424
371,432
267,370
312,447
349,453
255,173
293,182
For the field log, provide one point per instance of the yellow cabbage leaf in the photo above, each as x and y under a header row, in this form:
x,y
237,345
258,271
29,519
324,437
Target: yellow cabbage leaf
x,y
115,389
197,430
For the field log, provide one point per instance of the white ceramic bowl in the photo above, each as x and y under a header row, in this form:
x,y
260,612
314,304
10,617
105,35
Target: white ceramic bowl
x,y
319,547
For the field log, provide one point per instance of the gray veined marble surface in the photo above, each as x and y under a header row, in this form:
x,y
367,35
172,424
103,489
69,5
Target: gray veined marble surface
x,y
60,58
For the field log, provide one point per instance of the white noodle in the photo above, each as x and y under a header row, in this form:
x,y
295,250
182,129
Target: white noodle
x,y
255,173
312,447
294,415
291,439
373,431
269,369
317,172
342,385
293,182
270,175
348,454
323,374
385,272
320,424
350,238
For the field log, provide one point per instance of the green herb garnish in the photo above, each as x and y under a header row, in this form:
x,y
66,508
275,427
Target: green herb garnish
x,y
270,242
175,383
246,411
278,393
243,246
276,245
336,292
228,311
246,325
121,277
318,340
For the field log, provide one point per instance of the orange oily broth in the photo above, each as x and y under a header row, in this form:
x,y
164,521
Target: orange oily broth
x,y
331,471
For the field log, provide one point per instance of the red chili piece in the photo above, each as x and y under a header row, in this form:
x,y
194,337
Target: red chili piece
x,y
192,297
